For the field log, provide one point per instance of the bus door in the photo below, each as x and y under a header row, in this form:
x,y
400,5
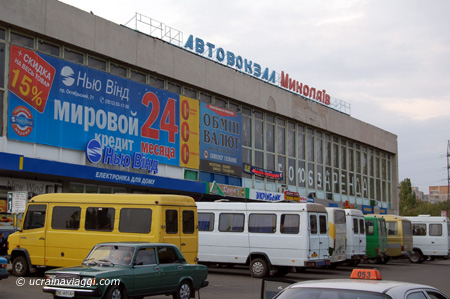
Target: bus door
x,y
189,234
34,232
172,226
318,236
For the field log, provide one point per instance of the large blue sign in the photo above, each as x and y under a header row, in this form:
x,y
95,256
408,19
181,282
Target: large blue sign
x,y
220,140
59,103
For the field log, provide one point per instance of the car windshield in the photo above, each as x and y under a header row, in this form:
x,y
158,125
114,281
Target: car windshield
x,y
113,254
312,293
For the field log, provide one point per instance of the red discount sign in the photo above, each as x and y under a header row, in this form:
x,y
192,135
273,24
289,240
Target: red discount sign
x,y
30,77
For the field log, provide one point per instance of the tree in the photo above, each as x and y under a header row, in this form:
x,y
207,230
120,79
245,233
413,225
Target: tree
x,y
408,200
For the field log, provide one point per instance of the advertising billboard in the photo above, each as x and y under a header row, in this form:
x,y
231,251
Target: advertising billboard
x,y
64,104
220,140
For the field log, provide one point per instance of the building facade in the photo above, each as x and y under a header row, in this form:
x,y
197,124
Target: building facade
x,y
88,105
438,194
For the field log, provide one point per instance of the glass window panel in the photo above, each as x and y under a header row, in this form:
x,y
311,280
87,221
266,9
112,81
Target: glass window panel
x,y
301,145
290,224
319,177
233,107
171,221
328,179
259,134
156,82
291,173
281,140
311,175
392,228
21,40
435,229
313,224
335,155
270,161
327,152
190,93
259,159
2,34
205,98
270,137
361,226
291,143
343,182
246,111
96,63
173,87
270,118
350,159
117,70
100,219
246,131
230,222
247,155
2,68
301,174
188,218
66,218
358,161
73,56
355,226
319,150
336,184
220,103
262,223
206,222
48,48
282,167
35,217
343,158
323,224
310,147
138,77
135,220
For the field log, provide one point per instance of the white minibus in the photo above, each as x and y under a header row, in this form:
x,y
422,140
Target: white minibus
x,y
431,237
271,238
356,236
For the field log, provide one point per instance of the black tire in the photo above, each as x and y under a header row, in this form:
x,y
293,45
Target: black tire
x,y
385,259
416,257
114,292
184,290
258,268
20,266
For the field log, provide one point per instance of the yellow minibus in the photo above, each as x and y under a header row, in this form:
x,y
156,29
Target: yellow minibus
x,y
60,229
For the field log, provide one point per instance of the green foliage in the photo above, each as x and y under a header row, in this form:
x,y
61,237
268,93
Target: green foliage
x,y
410,206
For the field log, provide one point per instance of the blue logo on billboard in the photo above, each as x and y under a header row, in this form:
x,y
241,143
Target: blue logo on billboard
x,y
108,155
94,151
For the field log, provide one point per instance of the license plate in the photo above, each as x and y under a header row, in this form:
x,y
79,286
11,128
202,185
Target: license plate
x,y
320,263
314,255
65,293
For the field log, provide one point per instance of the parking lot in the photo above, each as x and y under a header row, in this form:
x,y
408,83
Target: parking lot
x,y
236,282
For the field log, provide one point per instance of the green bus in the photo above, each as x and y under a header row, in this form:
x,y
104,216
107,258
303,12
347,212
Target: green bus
x,y
376,234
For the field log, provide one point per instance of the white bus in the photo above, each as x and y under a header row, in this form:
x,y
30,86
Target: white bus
x,y
431,237
271,238
336,235
356,236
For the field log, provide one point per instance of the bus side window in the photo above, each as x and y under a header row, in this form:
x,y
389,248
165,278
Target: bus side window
x,y
171,221
206,222
35,217
188,222
369,227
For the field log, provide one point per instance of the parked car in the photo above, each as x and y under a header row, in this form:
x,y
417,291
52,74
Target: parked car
x,y
3,266
363,283
129,269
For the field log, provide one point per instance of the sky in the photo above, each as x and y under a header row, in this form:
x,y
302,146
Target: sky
x,y
390,60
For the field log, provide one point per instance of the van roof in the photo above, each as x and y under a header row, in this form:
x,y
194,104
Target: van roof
x,y
153,199
263,206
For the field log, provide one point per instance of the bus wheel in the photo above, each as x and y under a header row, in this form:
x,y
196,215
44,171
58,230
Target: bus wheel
x,y
416,257
20,266
258,268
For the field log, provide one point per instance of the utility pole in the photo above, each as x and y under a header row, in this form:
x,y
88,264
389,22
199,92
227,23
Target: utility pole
x,y
448,178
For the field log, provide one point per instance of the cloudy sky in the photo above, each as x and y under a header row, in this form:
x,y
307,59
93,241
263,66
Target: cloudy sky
x,y
389,59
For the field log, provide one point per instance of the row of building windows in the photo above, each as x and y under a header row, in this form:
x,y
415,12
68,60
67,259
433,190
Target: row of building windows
x,y
312,161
